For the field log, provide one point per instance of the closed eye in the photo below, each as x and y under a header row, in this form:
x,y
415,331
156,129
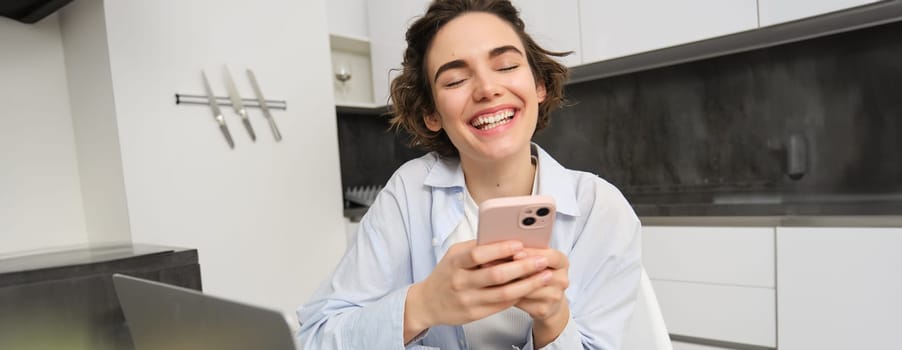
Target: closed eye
x,y
509,68
454,83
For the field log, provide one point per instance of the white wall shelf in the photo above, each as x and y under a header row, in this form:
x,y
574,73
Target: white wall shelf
x,y
355,44
352,81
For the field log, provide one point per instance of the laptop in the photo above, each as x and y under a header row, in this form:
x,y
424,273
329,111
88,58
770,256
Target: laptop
x,y
162,316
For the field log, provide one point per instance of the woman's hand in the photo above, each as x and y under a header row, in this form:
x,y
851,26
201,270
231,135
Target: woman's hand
x,y
468,284
548,305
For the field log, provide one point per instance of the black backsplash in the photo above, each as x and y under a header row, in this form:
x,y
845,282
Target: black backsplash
x,y
720,136
369,151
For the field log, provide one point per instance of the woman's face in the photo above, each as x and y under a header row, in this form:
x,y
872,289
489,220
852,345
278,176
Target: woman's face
x,y
486,98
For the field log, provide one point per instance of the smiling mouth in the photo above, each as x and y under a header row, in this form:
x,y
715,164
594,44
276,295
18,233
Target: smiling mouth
x,y
493,120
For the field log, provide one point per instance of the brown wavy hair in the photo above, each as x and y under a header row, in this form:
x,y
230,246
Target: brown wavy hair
x,y
411,92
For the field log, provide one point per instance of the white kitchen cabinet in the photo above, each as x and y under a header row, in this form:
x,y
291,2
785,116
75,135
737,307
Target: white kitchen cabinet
x,y
266,217
778,11
388,22
611,29
352,77
743,315
839,288
41,201
739,256
714,283
347,18
678,345
554,25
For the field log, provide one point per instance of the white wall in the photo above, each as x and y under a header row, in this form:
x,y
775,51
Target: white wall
x,y
40,199
265,217
84,37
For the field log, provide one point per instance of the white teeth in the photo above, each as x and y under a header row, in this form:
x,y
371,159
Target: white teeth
x,y
489,121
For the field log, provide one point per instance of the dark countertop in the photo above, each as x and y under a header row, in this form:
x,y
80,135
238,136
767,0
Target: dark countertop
x,y
768,205
56,263
775,221
65,298
756,215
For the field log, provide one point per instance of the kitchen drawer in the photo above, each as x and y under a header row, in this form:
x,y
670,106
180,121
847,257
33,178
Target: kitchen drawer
x,y
743,315
841,281
678,345
740,256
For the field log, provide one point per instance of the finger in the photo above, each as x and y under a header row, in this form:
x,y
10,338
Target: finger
x,y
462,246
493,263
543,294
518,256
515,290
505,272
556,259
481,254
559,279
542,302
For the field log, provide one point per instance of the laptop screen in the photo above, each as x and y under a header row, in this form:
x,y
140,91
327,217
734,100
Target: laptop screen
x,y
161,316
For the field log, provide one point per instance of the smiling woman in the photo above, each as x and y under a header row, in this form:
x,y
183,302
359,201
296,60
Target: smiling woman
x,y
479,76
473,90
409,88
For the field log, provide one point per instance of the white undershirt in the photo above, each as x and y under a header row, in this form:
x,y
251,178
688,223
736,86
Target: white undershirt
x,y
506,329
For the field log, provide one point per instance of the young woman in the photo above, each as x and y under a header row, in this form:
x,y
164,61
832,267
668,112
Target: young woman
x,y
473,90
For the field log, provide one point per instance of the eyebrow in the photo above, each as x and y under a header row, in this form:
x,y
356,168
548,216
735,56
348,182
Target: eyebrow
x,y
498,51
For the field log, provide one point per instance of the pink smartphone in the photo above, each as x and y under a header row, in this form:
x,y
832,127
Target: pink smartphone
x,y
527,219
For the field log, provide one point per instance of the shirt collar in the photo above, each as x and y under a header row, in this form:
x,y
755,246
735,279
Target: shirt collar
x,y
557,182
554,180
446,173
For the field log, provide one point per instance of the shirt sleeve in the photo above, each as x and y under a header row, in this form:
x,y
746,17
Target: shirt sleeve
x,y
605,267
361,306
568,339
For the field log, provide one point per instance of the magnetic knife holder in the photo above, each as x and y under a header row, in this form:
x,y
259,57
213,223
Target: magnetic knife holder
x,y
225,101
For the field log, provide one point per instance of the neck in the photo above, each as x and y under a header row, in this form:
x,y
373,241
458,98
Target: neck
x,y
499,178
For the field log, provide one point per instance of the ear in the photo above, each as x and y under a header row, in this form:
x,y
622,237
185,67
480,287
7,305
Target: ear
x,y
433,122
540,91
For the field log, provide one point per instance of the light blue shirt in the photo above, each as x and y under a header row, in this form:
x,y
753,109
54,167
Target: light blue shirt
x,y
405,233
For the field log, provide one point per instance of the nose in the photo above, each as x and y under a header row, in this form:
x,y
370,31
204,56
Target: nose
x,y
486,88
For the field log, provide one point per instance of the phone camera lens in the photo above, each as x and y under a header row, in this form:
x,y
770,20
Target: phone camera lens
x,y
542,212
528,221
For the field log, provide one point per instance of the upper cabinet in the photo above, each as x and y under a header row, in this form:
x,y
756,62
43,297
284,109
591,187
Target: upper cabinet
x,y
595,30
388,22
347,18
613,29
554,25
349,44
779,11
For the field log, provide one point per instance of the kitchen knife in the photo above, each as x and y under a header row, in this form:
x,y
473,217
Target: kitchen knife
x,y
237,104
262,102
217,114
